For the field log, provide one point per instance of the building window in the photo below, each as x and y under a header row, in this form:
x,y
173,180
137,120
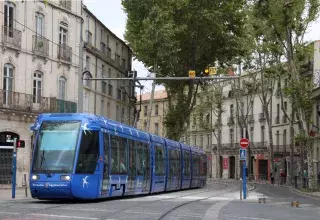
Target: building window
x,y
251,134
108,110
201,141
262,134
62,88
231,137
156,128
145,126
208,140
7,83
208,118
194,140
104,87
88,63
8,18
37,87
284,138
102,107
231,110
39,24
119,94
103,70
145,110
156,110
63,34
110,90
109,73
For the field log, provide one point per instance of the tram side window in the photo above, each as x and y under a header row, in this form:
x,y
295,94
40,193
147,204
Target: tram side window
x,y
178,162
159,158
140,159
132,158
106,154
194,164
89,152
173,162
147,159
118,155
186,158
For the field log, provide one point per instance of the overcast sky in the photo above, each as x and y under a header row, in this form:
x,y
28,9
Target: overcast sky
x,y
111,13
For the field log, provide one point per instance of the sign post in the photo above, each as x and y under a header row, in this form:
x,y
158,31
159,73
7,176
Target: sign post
x,y
14,168
244,143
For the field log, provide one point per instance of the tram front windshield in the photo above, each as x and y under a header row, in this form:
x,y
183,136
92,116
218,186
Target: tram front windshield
x,y
55,147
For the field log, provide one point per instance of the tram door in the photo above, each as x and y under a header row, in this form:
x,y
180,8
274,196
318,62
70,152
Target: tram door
x,y
143,167
105,179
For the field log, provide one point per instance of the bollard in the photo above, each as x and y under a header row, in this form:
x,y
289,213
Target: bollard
x,y
262,200
295,204
25,184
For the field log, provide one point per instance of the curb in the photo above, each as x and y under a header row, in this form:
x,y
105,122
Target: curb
x,y
302,193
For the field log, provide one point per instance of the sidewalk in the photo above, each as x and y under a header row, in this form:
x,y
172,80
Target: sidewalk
x,y
6,194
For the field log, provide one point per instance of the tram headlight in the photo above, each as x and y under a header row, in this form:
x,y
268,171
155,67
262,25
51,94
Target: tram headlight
x,y
65,178
35,177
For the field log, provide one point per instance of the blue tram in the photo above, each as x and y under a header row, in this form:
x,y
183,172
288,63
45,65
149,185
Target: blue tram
x,y
85,156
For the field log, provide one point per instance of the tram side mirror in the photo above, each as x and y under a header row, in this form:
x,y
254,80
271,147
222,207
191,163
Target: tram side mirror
x,y
21,144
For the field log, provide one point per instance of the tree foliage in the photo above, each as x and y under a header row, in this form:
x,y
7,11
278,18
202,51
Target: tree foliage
x,y
282,25
179,35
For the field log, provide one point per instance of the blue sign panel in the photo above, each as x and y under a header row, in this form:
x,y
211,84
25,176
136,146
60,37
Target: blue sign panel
x,y
243,154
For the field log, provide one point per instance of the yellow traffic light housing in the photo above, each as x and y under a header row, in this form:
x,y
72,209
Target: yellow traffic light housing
x,y
206,71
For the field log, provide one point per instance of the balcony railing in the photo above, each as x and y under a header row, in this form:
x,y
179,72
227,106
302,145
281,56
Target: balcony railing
x,y
11,37
62,106
66,4
64,52
40,45
24,102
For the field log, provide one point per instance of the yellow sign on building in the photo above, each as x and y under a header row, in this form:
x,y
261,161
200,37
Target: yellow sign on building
x,y
212,71
192,73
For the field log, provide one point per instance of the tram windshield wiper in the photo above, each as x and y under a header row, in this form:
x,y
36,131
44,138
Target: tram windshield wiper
x,y
43,159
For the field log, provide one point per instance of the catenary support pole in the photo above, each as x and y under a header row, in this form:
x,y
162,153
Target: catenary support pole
x,y
14,167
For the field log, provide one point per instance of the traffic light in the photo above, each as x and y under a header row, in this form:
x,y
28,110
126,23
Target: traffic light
x,y
206,71
21,144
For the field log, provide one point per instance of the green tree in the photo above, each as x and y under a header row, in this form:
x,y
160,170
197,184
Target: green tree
x,y
180,35
288,21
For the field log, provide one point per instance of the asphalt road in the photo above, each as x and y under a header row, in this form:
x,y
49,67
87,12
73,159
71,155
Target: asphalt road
x,y
186,205
216,201
277,206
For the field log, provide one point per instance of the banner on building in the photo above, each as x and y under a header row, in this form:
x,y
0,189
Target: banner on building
x,y
225,163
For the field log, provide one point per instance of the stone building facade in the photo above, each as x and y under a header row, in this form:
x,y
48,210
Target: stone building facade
x,y
39,64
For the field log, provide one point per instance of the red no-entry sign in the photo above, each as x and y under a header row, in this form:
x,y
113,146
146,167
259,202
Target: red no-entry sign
x,y
244,143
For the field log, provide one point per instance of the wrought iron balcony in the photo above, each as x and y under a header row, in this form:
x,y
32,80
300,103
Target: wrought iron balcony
x,y
66,4
62,106
25,103
11,37
40,45
64,52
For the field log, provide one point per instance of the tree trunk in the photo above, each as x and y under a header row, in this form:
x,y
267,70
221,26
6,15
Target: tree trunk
x,y
219,143
311,176
292,147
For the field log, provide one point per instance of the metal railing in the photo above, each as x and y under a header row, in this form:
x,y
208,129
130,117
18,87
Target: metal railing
x,y
25,102
40,45
11,37
64,52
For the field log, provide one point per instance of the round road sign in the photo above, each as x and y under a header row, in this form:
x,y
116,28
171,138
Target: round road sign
x,y
244,143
